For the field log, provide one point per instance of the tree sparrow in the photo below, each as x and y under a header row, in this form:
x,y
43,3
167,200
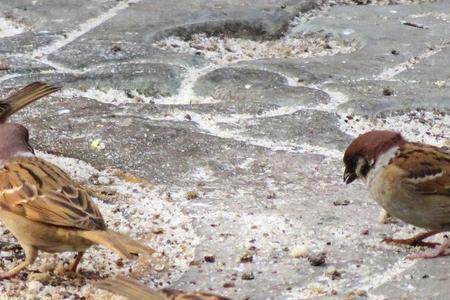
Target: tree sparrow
x,y
411,181
23,97
45,210
135,290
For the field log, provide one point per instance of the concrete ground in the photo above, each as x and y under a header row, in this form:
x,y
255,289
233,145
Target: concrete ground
x,y
216,129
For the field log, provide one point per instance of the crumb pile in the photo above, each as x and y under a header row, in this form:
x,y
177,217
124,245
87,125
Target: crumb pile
x,y
223,50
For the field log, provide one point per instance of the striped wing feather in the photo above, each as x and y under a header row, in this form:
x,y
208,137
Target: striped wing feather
x,y
40,191
427,168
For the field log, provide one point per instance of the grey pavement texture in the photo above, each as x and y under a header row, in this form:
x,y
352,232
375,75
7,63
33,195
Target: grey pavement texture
x,y
232,117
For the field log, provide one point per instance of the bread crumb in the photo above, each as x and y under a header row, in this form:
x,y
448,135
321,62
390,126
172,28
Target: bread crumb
x,y
299,251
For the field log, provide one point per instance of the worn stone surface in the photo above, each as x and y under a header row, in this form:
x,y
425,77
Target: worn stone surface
x,y
373,98
16,65
241,84
145,23
241,153
26,42
303,127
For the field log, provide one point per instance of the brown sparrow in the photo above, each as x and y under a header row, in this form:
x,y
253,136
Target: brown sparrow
x,y
23,97
135,290
45,210
411,181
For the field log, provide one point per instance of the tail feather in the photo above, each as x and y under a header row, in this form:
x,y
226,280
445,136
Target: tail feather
x,y
132,289
119,243
129,288
23,97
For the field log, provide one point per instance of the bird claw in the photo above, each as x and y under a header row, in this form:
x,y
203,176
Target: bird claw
x,y
428,255
411,242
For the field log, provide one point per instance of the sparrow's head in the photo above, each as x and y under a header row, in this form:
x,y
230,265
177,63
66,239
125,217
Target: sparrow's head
x,y
362,154
13,141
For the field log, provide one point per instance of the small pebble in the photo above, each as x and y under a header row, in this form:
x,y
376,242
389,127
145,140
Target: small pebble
x,y
317,259
104,180
34,287
210,258
388,91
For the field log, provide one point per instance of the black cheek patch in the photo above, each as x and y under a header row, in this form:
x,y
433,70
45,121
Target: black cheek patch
x,y
365,170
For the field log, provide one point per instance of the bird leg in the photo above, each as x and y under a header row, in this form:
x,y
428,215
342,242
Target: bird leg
x,y
30,256
439,252
416,240
74,265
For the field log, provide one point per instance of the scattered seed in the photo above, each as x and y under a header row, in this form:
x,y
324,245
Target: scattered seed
x,y
247,258
116,49
333,273
228,285
248,276
191,195
157,230
119,263
299,251
341,203
271,195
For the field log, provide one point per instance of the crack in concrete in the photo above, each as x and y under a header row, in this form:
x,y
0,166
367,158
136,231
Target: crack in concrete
x,y
41,54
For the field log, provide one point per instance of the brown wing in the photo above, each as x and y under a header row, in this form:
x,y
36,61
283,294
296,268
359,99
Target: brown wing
x,y
427,168
40,191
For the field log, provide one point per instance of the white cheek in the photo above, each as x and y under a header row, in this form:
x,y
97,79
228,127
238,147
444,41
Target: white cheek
x,y
24,154
382,162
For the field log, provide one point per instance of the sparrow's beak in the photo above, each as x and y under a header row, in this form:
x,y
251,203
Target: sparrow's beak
x,y
349,176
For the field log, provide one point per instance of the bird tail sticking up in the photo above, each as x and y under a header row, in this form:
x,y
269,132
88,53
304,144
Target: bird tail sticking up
x,y
23,97
119,243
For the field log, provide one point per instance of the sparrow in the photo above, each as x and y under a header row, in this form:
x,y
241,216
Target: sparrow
x,y
23,97
411,181
132,289
45,210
